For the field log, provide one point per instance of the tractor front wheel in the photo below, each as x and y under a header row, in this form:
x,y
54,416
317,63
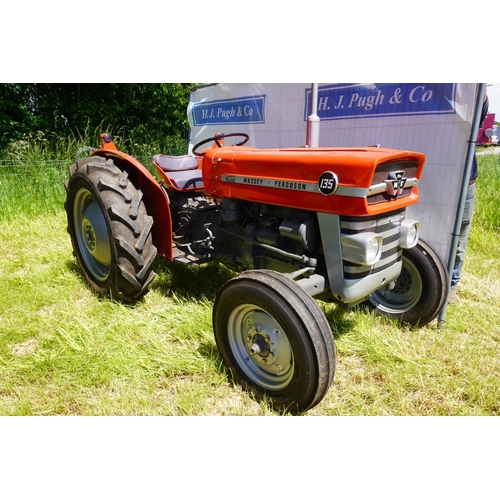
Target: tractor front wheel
x,y
110,229
419,293
275,340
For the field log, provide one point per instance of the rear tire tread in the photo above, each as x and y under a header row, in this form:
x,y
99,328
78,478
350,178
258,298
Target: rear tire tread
x,y
129,227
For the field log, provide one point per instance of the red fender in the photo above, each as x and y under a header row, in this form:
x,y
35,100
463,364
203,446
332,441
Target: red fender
x,y
154,197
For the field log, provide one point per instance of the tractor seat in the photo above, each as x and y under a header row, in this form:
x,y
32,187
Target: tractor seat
x,y
176,163
182,171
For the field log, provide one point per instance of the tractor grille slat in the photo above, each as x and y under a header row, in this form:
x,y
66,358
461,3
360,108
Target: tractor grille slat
x,y
386,226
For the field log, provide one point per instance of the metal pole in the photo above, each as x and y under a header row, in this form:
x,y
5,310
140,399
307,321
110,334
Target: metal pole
x,y
312,131
471,150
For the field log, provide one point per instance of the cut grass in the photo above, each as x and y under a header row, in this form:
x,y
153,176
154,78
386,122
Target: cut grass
x,y
65,351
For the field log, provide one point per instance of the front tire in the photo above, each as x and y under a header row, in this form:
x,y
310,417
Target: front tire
x,y
419,293
109,228
275,340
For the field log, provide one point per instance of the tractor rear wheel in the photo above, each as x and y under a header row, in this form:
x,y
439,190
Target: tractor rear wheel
x,y
275,340
419,293
110,229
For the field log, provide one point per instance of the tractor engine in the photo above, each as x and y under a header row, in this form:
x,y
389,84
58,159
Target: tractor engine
x,y
245,235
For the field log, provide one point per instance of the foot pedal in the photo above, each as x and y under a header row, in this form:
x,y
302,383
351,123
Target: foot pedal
x,y
185,258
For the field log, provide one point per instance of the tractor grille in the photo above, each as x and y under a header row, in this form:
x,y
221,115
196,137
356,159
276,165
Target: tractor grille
x,y
387,225
382,173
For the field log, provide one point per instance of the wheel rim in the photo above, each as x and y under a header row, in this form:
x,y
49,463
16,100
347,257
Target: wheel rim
x,y
92,235
260,347
404,295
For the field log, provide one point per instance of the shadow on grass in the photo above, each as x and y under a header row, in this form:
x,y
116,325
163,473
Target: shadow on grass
x,y
185,282
203,282
190,282
74,268
340,319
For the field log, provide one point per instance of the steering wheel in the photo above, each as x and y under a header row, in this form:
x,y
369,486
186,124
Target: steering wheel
x,y
216,139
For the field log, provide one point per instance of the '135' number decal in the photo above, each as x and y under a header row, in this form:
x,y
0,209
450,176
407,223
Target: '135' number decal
x,y
328,183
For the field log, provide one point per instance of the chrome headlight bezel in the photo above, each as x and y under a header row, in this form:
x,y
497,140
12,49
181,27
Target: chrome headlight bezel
x,y
362,248
409,233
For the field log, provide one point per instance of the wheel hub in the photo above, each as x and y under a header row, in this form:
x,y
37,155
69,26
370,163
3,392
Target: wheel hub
x,y
261,347
95,234
403,283
90,239
265,346
402,294
91,232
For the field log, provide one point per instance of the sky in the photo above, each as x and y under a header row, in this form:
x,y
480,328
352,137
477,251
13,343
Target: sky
x,y
494,98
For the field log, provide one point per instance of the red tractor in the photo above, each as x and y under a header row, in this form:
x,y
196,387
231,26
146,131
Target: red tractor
x,y
297,224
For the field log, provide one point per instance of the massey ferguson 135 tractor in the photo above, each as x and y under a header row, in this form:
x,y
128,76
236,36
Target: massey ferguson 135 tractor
x,y
327,223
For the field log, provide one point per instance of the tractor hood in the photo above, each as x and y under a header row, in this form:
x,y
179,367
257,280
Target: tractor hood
x,y
352,181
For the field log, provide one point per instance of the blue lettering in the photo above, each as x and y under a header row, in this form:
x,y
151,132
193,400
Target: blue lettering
x,y
346,101
250,109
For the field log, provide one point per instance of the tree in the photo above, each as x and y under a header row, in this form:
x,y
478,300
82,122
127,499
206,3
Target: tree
x,y
15,116
146,112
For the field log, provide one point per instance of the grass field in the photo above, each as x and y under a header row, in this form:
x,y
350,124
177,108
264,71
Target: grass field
x,y
65,351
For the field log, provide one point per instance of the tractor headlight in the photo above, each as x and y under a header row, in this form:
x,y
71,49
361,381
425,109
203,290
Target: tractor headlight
x,y
362,248
409,233
373,250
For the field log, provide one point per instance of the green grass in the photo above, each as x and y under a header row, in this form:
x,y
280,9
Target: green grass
x,y
33,170
65,351
487,212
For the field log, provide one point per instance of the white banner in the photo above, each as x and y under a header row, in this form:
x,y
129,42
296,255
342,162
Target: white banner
x,y
435,119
